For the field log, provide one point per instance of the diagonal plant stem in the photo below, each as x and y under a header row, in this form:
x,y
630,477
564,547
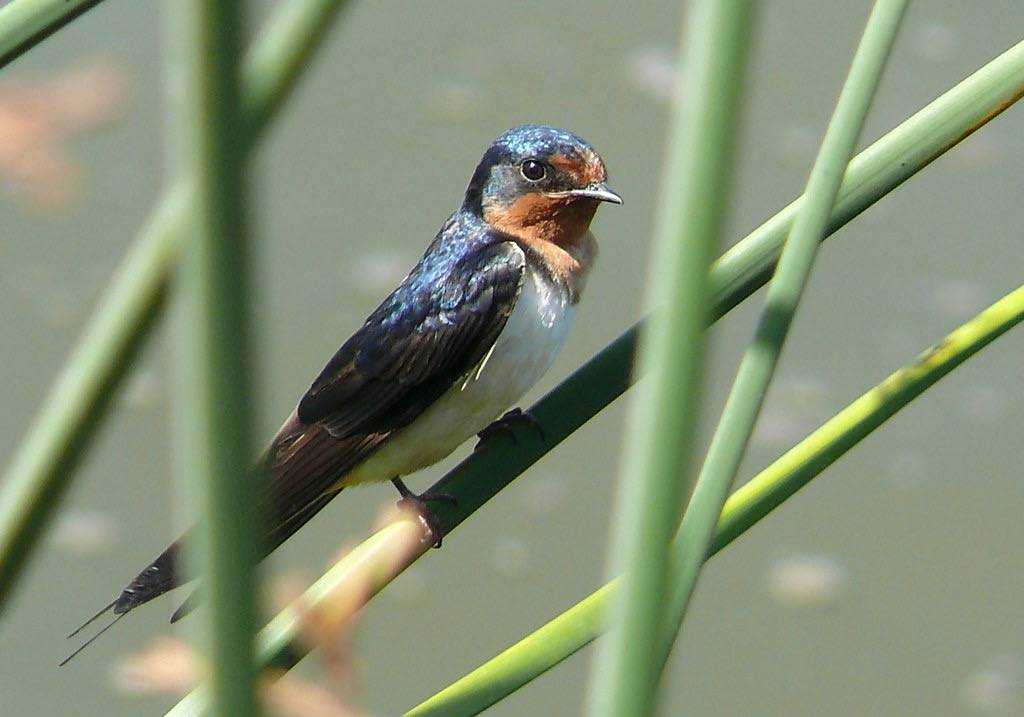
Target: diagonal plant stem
x,y
655,464
579,625
872,174
352,581
26,23
729,442
73,410
215,418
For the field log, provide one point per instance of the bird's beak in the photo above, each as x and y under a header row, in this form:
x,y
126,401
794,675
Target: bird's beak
x,y
598,190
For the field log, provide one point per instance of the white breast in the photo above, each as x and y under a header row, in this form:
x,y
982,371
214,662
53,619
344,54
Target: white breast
x,y
524,351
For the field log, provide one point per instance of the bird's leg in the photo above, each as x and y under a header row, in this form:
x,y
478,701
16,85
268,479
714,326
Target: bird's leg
x,y
419,504
503,426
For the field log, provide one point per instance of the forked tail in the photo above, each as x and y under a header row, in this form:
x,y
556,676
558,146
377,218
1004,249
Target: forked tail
x,y
159,576
165,574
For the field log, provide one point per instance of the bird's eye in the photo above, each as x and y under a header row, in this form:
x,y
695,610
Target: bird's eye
x,y
532,170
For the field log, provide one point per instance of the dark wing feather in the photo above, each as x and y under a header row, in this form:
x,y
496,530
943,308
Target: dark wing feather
x,y
416,345
429,333
436,327
407,354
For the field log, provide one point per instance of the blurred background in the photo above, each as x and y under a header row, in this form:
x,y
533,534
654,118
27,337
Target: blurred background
x,y
891,585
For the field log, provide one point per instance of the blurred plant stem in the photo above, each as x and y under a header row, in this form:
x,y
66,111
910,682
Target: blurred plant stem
x,y
73,410
215,419
654,471
350,583
729,442
26,23
872,174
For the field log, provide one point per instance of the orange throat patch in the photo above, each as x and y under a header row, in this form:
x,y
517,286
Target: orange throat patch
x,y
555,230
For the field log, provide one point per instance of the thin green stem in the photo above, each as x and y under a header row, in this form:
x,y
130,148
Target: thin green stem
x,y
72,412
26,23
579,625
662,419
729,443
216,430
743,269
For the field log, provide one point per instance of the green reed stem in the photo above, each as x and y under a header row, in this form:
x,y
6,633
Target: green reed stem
x,y
663,415
216,426
729,443
73,410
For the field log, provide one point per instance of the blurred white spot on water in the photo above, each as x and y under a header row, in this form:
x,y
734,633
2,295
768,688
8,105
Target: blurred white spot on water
x,y
61,307
995,688
166,666
56,303
933,41
907,470
144,390
776,427
528,52
982,150
956,298
794,407
807,580
84,532
983,403
408,587
797,144
652,71
546,494
38,117
453,101
378,271
510,558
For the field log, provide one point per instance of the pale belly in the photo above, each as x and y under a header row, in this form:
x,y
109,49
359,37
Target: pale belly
x,y
525,350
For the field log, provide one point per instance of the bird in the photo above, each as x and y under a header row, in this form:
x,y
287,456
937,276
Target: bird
x,y
474,325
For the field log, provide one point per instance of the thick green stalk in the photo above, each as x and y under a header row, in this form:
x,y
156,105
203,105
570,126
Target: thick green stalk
x,y
579,625
216,425
73,410
743,269
26,23
729,443
662,418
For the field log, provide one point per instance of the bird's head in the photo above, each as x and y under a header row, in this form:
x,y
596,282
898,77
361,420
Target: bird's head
x,y
541,183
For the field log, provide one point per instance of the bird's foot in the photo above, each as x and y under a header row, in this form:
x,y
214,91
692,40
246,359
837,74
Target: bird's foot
x,y
433,533
504,426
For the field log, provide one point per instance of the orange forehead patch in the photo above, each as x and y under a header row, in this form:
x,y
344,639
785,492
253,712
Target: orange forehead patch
x,y
586,169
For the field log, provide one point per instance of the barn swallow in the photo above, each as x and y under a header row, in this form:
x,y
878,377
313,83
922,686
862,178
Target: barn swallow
x,y
471,329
